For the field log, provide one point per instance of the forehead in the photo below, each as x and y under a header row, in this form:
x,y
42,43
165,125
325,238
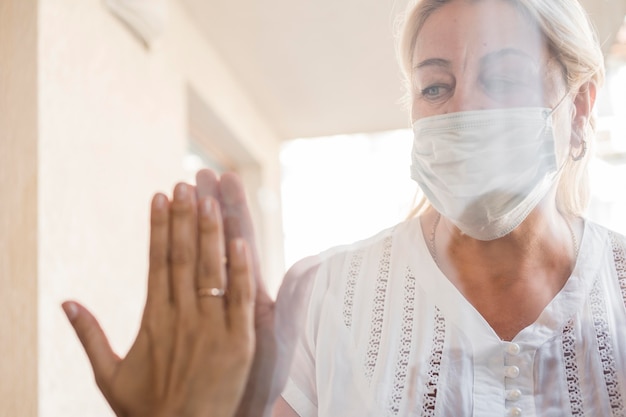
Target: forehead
x,y
470,29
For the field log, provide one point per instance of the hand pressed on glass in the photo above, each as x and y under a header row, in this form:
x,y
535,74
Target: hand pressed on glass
x,y
196,341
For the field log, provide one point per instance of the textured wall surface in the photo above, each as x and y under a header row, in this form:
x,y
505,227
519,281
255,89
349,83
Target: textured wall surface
x,y
18,208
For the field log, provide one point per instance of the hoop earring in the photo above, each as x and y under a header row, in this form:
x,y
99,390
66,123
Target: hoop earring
x,y
582,153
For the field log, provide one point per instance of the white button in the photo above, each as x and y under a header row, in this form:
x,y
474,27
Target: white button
x,y
513,395
515,412
511,371
513,349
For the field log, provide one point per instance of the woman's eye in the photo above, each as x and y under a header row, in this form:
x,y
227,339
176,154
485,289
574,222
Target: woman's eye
x,y
433,91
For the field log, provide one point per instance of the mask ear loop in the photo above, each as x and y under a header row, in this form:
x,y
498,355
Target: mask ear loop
x,y
548,113
583,142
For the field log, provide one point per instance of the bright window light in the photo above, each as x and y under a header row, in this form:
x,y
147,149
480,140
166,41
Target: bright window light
x,y
340,189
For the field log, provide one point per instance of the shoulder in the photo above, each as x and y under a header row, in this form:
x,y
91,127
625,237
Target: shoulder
x,y
616,240
374,246
317,270
340,266
604,249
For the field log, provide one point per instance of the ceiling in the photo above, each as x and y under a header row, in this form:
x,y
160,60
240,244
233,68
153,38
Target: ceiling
x,y
326,67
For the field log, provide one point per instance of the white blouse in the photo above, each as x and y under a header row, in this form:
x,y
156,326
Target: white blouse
x,y
387,334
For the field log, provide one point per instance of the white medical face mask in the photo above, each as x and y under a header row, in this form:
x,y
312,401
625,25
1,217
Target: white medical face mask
x,y
485,170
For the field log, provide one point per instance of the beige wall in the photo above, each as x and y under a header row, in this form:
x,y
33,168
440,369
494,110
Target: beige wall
x,y
91,124
112,131
18,212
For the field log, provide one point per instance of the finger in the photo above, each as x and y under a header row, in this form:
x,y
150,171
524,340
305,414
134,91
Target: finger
x,y
103,359
158,283
238,223
207,184
183,248
211,266
241,290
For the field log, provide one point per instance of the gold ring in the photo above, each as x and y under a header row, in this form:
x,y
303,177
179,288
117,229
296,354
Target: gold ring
x,y
210,292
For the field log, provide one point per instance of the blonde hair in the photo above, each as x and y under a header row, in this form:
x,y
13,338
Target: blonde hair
x,y
572,42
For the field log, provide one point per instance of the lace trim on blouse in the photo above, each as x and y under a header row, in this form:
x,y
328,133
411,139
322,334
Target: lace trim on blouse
x,y
408,309
605,349
348,300
434,368
571,370
378,309
619,255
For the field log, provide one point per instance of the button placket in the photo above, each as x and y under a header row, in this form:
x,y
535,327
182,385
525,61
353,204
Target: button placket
x,y
511,372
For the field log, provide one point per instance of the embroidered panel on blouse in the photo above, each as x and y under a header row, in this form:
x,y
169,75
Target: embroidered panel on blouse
x,y
401,372
605,349
619,255
571,370
348,299
376,328
434,369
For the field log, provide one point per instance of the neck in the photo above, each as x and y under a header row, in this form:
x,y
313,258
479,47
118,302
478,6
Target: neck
x,y
543,242
530,266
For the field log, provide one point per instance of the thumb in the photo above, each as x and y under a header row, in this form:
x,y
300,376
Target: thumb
x,y
103,359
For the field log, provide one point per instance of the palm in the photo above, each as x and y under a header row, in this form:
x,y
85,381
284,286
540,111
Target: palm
x,y
132,380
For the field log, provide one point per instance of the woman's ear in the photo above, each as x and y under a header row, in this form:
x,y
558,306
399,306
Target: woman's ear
x,y
583,106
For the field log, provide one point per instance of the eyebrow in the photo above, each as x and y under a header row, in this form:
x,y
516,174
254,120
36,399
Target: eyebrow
x,y
438,62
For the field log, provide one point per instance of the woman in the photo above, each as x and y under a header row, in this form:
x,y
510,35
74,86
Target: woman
x,y
499,299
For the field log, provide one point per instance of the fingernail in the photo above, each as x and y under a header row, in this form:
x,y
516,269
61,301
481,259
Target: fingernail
x,y
159,201
71,310
180,192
